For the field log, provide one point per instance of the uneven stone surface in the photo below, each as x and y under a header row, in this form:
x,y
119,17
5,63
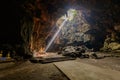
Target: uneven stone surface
x,y
78,51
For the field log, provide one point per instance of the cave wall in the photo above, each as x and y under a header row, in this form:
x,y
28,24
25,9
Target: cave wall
x,y
10,29
15,29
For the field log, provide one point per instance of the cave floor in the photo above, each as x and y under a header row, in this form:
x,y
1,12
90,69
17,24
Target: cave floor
x,y
75,70
36,71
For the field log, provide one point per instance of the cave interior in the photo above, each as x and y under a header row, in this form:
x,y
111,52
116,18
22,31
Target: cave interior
x,y
30,26
78,39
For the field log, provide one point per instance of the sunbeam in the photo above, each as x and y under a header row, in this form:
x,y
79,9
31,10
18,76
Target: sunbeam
x,y
55,35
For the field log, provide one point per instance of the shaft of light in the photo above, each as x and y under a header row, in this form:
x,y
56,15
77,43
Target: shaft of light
x,y
55,35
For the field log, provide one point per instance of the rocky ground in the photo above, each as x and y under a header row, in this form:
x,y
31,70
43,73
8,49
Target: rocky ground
x,y
36,71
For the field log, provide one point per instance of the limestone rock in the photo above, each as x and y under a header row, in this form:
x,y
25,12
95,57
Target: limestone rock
x,y
114,46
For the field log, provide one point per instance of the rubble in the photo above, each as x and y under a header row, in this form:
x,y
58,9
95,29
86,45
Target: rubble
x,y
78,51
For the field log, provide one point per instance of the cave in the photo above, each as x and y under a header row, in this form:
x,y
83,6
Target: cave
x,y
34,23
74,28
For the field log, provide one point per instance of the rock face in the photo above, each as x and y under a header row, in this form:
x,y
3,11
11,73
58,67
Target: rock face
x,y
75,28
29,24
112,41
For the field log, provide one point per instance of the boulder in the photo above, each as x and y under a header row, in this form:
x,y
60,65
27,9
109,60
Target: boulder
x,y
114,46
